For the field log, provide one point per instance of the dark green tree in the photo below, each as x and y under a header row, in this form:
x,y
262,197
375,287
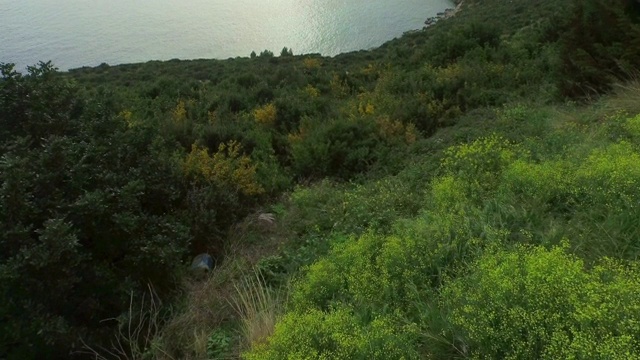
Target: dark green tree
x,y
601,45
89,211
286,52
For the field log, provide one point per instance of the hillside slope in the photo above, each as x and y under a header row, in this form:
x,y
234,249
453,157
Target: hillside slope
x,y
466,191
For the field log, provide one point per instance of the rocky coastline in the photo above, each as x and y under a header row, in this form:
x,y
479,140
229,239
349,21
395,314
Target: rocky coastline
x,y
443,15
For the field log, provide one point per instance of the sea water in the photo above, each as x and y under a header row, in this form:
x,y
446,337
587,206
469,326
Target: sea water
x,y
75,33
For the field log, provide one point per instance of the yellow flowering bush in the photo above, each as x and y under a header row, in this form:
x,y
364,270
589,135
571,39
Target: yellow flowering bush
x,y
534,303
312,91
266,115
371,69
212,117
179,113
127,116
310,63
632,125
611,176
481,161
227,168
366,108
448,75
394,130
337,334
338,86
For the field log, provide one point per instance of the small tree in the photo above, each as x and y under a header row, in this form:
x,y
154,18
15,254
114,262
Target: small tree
x,y
266,54
286,52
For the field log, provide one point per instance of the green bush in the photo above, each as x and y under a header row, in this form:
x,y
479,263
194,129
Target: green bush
x,y
337,334
533,303
375,273
632,125
600,46
84,220
337,148
375,206
549,184
91,210
219,344
611,176
311,207
482,161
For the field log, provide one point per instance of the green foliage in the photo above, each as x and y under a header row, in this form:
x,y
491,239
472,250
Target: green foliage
x,y
632,125
520,121
52,103
111,176
600,46
74,204
273,270
449,46
93,209
337,334
541,181
266,54
480,162
439,267
593,194
610,176
219,344
375,205
533,303
339,148
286,52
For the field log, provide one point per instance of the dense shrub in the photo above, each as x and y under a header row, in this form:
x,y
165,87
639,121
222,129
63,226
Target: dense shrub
x,y
533,303
340,148
94,205
103,190
481,161
600,46
337,334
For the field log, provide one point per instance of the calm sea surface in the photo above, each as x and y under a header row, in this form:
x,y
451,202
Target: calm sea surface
x,y
74,33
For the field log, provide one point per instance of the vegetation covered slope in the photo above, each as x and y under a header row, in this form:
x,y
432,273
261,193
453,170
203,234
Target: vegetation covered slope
x,y
522,244
466,209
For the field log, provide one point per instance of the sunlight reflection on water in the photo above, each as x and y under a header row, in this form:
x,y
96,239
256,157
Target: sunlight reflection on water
x,y
74,33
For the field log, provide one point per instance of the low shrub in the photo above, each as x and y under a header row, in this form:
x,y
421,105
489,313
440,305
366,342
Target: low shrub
x,y
337,334
534,303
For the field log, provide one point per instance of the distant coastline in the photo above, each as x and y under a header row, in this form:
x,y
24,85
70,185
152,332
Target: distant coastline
x,y
123,32
445,14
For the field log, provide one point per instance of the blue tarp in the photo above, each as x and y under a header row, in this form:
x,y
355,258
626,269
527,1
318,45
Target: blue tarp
x,y
202,263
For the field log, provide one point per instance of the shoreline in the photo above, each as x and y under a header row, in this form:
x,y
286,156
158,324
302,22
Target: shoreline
x,y
448,13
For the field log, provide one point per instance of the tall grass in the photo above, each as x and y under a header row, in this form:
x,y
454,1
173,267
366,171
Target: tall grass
x,y
627,96
137,334
209,303
187,333
258,308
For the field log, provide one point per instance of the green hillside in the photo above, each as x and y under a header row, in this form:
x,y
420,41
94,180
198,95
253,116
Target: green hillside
x,y
470,190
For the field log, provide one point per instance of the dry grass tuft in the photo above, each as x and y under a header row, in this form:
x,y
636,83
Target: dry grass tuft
x,y
626,97
258,308
137,333
211,303
187,333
